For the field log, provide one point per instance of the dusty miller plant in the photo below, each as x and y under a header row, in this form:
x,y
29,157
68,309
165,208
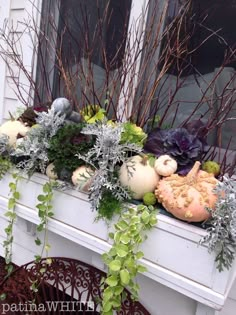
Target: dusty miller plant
x,y
4,143
221,235
34,147
105,156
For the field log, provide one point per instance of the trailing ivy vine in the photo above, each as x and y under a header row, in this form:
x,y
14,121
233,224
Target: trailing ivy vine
x,y
5,165
11,215
123,258
45,211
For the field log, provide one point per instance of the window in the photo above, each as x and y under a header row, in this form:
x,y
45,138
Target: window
x,y
81,50
199,80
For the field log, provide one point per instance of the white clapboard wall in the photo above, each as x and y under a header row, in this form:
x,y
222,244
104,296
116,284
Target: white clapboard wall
x,y
12,14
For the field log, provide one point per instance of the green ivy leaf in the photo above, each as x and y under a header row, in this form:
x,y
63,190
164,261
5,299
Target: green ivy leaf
x,y
46,188
37,258
107,308
112,281
115,265
47,247
38,242
41,214
111,236
125,239
16,195
122,250
11,203
107,294
12,186
139,255
116,302
40,227
118,290
8,214
41,198
142,268
153,220
50,214
124,276
113,252
135,219
117,236
129,263
122,225
145,216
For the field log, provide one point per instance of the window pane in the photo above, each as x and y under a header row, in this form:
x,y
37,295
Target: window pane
x,y
90,44
200,82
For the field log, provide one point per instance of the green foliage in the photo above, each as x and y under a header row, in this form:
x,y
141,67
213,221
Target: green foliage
x,y
93,113
133,134
11,216
45,211
122,259
109,205
67,142
5,165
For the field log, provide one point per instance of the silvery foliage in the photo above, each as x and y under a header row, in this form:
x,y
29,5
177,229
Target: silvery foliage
x,y
221,235
104,157
4,143
35,144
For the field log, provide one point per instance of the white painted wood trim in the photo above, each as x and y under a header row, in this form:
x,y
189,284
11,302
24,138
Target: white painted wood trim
x,y
4,16
137,22
205,310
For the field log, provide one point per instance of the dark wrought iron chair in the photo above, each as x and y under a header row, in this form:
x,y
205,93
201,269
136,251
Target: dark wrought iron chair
x,y
64,286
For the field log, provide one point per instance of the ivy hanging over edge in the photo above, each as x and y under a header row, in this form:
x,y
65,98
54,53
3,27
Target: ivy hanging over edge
x,y
14,196
123,258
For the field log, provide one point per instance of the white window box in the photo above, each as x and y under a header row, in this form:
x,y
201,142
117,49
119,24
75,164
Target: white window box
x,y
173,255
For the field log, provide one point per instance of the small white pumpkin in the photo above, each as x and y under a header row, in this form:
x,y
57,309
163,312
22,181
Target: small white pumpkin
x,y
12,129
165,165
82,177
139,176
50,172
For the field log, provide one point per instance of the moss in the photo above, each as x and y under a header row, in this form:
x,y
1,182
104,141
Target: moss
x,y
64,146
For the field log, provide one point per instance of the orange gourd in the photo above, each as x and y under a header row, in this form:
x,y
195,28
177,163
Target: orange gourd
x,y
187,197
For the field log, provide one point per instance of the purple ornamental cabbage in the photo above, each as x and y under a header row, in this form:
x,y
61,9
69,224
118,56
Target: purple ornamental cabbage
x,y
183,146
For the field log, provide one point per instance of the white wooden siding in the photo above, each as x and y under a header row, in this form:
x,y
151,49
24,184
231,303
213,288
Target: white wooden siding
x,y
14,12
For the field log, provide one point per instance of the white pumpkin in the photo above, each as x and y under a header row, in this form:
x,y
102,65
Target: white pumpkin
x,y
139,176
12,129
50,172
165,165
82,177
